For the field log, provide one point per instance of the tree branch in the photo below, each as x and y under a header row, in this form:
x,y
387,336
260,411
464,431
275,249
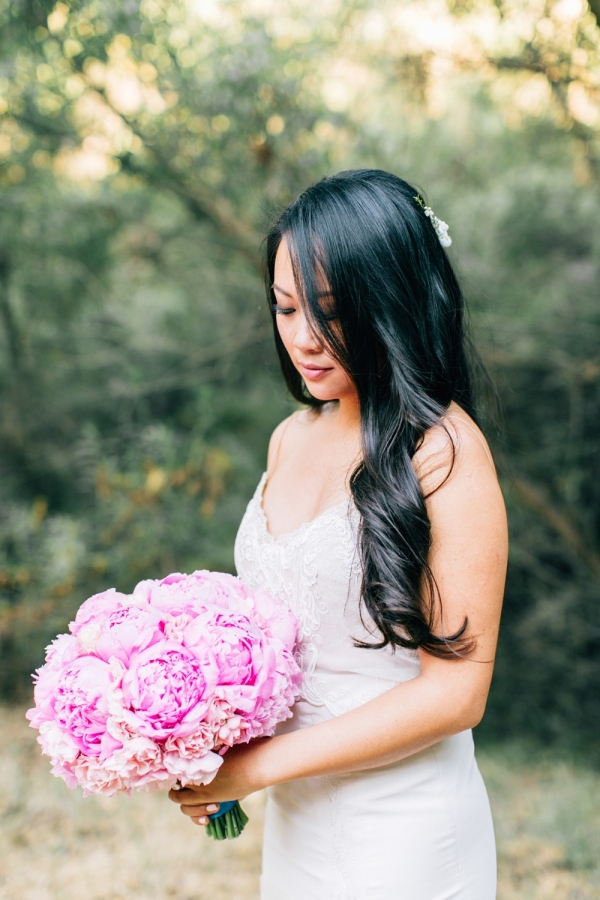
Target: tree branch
x,y
216,210
594,6
517,64
13,336
199,202
536,498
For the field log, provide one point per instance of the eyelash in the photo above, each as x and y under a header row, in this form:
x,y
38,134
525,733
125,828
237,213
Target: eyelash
x,y
287,311
281,310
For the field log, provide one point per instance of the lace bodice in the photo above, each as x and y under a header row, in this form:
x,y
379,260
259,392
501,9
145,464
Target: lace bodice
x,y
316,571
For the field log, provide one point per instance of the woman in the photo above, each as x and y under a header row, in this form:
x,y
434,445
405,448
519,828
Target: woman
x,y
381,523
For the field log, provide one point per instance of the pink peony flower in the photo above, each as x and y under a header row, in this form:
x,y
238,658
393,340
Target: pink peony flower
x,y
93,776
80,702
167,688
192,769
138,762
60,747
191,594
235,640
98,605
126,630
149,690
64,648
275,618
196,744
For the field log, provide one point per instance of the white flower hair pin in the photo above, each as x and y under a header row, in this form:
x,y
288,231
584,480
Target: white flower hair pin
x,y
441,228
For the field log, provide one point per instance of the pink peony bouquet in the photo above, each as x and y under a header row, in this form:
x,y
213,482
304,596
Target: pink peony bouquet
x,y
150,689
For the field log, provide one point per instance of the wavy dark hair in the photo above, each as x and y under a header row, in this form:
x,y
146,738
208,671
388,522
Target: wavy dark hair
x,y
400,334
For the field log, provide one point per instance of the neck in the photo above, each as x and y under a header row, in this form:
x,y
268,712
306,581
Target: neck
x,y
347,413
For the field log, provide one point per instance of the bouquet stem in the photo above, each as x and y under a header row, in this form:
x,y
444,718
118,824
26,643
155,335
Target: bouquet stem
x,y
228,822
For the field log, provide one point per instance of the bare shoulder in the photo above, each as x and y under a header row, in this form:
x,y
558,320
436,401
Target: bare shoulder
x,y
454,450
469,528
283,435
463,496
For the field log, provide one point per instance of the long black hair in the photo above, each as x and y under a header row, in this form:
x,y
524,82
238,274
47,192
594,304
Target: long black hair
x,y
400,335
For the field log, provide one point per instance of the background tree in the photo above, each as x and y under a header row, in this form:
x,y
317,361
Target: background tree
x,y
144,146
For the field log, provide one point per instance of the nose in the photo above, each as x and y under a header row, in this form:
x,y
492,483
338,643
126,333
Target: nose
x,y
305,339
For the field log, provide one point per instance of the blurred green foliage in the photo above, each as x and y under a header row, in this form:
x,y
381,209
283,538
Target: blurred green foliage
x,y
143,148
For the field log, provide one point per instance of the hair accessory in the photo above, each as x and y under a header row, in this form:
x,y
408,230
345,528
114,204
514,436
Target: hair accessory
x,y
441,228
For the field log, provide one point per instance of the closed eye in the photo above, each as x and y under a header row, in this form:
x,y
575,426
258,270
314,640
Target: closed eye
x,y
281,310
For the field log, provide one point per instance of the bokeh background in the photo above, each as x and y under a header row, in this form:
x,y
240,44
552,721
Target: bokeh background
x,y
144,147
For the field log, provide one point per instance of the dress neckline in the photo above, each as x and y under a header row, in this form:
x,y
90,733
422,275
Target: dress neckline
x,y
281,538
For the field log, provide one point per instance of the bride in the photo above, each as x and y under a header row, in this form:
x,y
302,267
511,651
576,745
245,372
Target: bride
x,y
380,522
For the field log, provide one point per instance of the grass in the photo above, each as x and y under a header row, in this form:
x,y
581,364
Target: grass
x,y
55,845
547,821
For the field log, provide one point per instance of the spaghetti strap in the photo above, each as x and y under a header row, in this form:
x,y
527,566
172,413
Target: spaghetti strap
x,y
477,435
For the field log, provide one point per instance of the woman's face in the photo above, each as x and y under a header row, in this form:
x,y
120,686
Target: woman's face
x,y
324,376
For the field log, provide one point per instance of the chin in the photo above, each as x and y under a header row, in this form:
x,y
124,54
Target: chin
x,y
320,394
327,392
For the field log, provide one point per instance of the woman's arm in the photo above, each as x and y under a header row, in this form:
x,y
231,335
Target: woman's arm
x,y
468,560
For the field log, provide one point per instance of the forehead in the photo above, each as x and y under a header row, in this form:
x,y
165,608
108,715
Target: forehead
x,y
284,273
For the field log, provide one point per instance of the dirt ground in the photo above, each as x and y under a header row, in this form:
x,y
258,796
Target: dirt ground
x,y
56,845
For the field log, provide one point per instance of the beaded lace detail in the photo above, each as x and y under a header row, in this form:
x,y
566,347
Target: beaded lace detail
x,y
316,571
287,566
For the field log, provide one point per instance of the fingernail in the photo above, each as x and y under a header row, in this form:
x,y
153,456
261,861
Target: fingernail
x,y
203,820
212,807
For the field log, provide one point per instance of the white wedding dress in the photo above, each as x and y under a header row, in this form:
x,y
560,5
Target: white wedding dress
x,y
419,829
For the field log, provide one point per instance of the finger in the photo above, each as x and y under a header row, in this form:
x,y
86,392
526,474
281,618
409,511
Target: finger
x,y
187,795
197,819
200,814
204,809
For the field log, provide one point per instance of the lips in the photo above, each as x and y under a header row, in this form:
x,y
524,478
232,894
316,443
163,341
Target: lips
x,y
312,372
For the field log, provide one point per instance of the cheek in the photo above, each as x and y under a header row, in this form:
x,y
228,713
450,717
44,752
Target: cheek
x,y
343,381
286,331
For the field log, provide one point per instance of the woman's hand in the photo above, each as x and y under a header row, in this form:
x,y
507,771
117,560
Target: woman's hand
x,y
237,777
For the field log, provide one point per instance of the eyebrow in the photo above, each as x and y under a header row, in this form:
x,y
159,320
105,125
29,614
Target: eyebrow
x,y
281,291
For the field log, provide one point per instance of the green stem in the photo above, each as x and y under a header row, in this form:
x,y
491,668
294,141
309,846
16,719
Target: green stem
x,y
227,826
